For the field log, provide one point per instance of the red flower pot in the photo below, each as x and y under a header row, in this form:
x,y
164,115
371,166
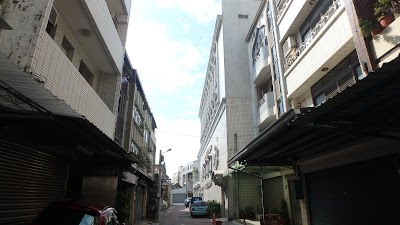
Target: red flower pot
x,y
386,20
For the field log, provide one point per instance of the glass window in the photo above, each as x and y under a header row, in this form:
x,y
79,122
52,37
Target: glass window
x,y
276,71
86,73
67,48
51,23
319,99
358,72
280,106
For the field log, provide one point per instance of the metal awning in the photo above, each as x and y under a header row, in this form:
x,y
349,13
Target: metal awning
x,y
366,111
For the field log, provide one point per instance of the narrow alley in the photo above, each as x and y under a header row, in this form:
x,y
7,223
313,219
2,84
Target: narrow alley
x,y
179,215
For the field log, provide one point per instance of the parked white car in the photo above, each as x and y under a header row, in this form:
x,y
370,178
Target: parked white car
x,y
164,204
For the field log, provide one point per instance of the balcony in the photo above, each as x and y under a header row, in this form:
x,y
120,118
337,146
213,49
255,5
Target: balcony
x,y
73,95
291,14
330,42
119,6
267,110
91,22
262,66
383,45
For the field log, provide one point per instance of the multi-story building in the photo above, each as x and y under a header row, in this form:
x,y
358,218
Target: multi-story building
x,y
321,85
225,110
187,175
135,131
60,77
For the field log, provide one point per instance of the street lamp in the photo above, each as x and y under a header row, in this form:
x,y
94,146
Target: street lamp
x,y
160,203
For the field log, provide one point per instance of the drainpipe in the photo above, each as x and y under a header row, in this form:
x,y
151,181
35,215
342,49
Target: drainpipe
x,y
237,207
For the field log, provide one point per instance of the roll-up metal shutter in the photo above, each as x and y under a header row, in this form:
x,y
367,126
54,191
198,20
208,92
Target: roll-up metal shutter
x,y
366,193
29,181
178,198
273,194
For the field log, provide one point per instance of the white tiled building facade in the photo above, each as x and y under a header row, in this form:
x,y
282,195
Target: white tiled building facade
x,y
68,46
225,110
299,53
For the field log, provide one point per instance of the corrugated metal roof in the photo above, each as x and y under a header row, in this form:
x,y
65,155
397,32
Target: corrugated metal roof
x,y
365,111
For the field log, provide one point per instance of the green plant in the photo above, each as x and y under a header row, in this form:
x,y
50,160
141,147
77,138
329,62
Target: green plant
x,y
123,201
250,212
365,27
284,211
144,161
382,8
214,207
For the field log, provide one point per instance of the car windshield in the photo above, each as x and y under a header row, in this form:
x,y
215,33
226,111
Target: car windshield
x,y
200,203
65,216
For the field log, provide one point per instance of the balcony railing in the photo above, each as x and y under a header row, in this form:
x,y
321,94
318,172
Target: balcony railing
x,y
63,79
282,8
318,27
266,109
102,18
268,99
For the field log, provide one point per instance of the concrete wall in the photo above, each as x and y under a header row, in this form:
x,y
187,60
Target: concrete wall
x,y
237,78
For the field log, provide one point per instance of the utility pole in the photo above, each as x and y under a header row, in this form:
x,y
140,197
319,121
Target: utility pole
x,y
159,193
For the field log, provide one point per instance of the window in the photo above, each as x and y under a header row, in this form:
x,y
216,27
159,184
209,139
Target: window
x,y
86,73
319,99
51,23
146,136
136,116
269,16
258,42
358,72
242,16
133,148
313,18
343,75
280,106
67,48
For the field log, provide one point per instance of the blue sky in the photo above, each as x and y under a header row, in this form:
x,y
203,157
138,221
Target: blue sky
x,y
169,43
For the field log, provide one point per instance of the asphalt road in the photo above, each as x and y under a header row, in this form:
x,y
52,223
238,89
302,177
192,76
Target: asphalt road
x,y
179,215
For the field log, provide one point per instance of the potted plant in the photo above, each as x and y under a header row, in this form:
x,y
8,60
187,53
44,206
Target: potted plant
x,y
284,213
382,10
365,27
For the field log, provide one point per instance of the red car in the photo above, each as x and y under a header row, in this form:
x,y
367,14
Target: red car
x,y
77,213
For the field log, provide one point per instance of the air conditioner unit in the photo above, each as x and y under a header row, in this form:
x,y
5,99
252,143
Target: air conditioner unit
x,y
289,45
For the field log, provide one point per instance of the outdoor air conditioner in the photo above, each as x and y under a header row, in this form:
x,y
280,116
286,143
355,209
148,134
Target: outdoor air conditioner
x,y
289,45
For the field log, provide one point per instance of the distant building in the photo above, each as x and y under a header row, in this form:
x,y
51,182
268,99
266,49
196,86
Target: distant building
x,y
226,105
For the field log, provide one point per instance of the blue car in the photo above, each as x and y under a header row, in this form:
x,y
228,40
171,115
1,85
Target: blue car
x,y
199,208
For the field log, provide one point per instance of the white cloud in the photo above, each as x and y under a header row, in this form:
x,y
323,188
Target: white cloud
x,y
183,137
167,64
204,11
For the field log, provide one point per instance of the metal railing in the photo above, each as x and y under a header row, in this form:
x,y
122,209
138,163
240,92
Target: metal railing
x,y
282,7
318,27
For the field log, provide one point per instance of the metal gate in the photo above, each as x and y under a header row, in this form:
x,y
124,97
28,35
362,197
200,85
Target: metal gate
x,y
29,181
365,193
